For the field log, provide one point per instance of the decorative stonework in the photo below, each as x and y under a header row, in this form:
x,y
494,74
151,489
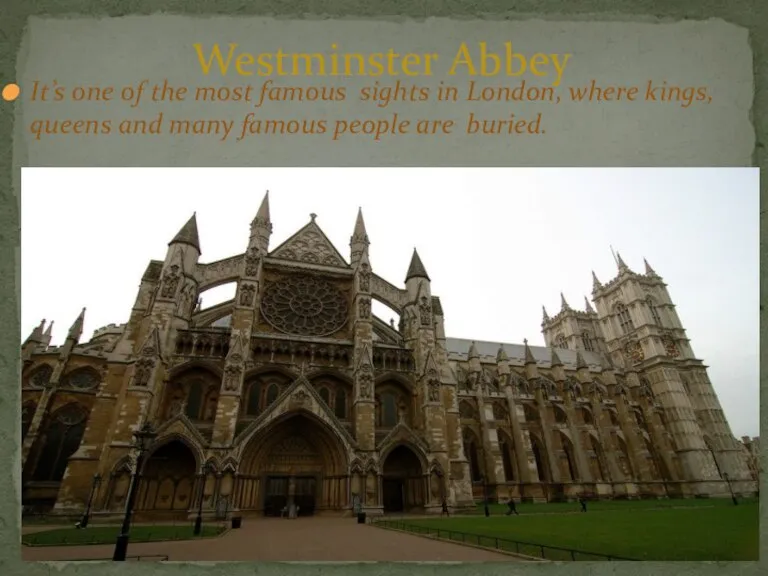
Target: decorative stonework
x,y
247,294
232,377
171,280
365,381
304,305
364,308
365,277
252,259
670,348
142,370
309,246
82,380
425,311
633,351
433,386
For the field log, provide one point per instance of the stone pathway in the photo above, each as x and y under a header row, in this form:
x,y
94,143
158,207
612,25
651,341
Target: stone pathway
x,y
302,540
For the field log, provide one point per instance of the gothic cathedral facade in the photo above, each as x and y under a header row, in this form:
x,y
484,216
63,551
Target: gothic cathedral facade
x,y
294,392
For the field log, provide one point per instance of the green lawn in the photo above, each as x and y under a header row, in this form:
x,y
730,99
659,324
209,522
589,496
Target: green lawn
x,y
698,530
108,535
602,505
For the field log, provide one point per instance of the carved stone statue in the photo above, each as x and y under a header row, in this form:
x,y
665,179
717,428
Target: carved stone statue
x,y
170,282
364,307
252,259
365,277
425,311
247,293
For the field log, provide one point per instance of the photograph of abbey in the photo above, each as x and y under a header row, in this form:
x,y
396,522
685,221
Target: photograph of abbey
x,y
298,393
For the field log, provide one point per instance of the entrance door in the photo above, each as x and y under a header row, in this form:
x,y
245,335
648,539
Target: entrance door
x,y
304,495
276,497
394,500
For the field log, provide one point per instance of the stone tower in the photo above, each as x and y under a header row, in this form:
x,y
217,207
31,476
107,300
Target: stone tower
x,y
573,329
644,335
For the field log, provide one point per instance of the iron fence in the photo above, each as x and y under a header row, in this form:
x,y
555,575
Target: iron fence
x,y
543,551
154,558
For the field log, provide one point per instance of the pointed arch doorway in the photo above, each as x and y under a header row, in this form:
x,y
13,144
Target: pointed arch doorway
x,y
403,481
297,461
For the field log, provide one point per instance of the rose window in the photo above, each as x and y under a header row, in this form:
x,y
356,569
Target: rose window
x,y
304,305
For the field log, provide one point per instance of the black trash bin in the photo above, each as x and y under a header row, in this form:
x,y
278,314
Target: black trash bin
x,y
361,517
237,521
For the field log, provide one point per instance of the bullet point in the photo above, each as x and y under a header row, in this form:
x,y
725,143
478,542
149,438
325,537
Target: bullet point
x,y
11,92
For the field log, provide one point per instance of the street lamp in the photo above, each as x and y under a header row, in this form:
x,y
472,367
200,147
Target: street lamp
x,y
730,488
94,486
199,519
142,440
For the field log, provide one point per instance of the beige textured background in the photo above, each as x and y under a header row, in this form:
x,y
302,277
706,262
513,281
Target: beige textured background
x,y
125,51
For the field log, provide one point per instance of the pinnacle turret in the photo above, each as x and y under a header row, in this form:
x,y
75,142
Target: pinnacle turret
x,y
588,305
554,358
501,355
546,316
262,216
37,333
529,359
648,270
596,285
473,353
563,303
580,363
76,330
188,234
359,234
620,263
416,268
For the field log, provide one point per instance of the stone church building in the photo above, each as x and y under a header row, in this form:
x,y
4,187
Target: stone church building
x,y
294,392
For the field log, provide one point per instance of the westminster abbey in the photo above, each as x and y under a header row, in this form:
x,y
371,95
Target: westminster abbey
x,y
294,392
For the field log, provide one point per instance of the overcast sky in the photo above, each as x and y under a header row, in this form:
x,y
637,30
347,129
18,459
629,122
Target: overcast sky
x,y
497,243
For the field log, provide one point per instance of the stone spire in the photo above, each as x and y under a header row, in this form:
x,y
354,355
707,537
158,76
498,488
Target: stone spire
x,y
620,262
261,225
359,242
648,270
416,268
501,355
188,234
48,335
76,330
546,316
529,359
359,234
563,303
596,285
588,305
473,353
37,333
554,358
580,363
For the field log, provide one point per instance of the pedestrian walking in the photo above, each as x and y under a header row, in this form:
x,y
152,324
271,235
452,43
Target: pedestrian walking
x,y
583,504
512,508
445,509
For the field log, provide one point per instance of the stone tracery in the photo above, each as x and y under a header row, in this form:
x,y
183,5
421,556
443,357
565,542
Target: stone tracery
x,y
305,305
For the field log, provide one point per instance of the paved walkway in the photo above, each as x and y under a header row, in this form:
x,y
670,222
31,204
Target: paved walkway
x,y
301,540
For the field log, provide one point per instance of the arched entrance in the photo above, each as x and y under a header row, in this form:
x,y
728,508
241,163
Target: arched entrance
x,y
402,481
296,461
169,479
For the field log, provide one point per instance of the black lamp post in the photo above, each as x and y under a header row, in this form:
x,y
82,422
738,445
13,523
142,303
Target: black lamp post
x,y
199,519
730,488
143,438
94,486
